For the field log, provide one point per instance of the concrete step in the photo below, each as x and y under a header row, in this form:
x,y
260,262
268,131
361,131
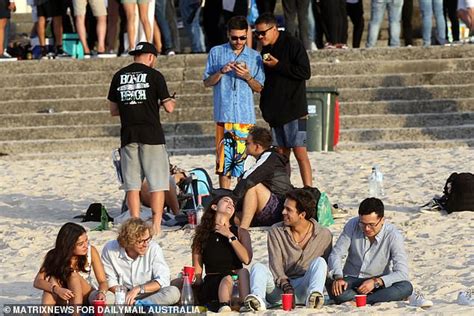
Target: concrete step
x,y
406,120
408,93
392,80
408,106
378,145
175,63
407,134
204,145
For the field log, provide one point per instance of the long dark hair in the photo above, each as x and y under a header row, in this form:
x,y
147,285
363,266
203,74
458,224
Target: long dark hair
x,y
207,226
57,262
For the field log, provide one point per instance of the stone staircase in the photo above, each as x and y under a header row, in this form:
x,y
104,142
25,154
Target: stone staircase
x,y
390,98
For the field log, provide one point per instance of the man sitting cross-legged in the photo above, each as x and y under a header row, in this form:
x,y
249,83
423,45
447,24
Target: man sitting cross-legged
x,y
297,249
376,261
262,188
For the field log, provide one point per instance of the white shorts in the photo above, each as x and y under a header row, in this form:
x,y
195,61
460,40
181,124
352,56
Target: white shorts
x,y
464,4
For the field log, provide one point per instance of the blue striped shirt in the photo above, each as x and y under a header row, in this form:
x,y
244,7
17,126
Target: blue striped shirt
x,y
233,97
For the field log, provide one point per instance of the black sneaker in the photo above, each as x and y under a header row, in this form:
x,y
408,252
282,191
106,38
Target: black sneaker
x,y
60,53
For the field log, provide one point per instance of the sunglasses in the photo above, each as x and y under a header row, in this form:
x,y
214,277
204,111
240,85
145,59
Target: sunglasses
x,y
263,33
235,38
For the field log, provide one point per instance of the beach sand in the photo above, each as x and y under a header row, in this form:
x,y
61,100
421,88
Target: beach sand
x,y
38,196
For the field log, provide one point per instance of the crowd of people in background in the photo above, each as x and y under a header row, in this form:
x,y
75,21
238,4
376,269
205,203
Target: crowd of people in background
x,y
107,29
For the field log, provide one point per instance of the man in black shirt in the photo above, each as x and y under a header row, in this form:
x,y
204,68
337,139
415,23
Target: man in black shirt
x,y
283,98
136,93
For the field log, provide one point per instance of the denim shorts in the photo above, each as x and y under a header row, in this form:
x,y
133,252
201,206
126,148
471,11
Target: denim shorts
x,y
141,161
292,134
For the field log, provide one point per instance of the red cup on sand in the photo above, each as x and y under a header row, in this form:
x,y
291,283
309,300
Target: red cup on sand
x,y
99,307
189,271
287,302
361,300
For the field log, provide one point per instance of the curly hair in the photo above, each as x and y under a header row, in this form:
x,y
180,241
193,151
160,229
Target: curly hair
x,y
207,226
57,262
131,231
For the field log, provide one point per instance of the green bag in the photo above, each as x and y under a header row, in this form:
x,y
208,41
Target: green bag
x,y
324,211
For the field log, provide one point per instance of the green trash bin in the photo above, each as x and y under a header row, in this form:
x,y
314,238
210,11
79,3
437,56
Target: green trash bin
x,y
321,118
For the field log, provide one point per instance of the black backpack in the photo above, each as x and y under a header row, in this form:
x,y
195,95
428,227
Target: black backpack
x,y
459,192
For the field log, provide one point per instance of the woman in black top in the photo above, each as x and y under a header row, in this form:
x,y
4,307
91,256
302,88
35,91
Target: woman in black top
x,y
221,249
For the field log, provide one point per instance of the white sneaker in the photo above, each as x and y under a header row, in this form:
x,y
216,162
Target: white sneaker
x,y
254,303
465,298
224,309
417,299
315,300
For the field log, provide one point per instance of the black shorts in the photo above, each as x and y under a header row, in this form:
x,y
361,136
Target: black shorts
x,y
4,11
51,8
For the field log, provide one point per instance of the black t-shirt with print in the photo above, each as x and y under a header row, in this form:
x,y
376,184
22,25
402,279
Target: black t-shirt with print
x,y
138,91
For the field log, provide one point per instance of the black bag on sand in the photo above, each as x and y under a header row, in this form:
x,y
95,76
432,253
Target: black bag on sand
x,y
93,213
459,192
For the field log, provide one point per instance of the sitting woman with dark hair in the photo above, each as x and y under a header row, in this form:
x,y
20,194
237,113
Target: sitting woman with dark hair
x,y
222,249
65,275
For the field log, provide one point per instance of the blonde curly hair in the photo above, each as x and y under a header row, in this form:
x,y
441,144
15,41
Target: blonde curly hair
x,y
132,230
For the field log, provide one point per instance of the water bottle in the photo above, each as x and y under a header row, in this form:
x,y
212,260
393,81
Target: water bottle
x,y
120,292
199,210
235,298
376,182
187,297
104,218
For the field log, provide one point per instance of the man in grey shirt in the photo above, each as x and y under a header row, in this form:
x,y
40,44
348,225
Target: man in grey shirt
x,y
135,261
297,251
376,261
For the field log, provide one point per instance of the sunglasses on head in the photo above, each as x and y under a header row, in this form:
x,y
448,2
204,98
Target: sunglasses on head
x,y
264,32
242,38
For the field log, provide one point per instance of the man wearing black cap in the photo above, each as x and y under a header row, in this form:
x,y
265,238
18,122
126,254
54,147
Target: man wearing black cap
x,y
136,93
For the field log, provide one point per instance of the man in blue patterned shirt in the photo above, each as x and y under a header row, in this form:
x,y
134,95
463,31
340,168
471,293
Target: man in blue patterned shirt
x,y
235,71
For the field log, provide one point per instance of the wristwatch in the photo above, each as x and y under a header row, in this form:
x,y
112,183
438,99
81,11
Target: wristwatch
x,y
377,285
142,289
233,238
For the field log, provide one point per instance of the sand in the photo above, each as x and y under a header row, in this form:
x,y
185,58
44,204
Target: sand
x,y
38,196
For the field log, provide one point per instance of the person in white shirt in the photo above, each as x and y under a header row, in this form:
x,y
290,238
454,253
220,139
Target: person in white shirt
x,y
138,261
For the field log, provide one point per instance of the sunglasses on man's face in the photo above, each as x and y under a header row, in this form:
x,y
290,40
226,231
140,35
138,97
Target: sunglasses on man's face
x,y
264,32
235,38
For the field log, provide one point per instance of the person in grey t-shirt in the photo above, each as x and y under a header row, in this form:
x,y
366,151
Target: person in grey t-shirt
x,y
376,261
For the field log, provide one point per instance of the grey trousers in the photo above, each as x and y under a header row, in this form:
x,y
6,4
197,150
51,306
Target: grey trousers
x,y
168,295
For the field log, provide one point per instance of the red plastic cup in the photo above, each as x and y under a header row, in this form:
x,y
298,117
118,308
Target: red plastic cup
x,y
192,218
189,271
361,300
99,307
287,302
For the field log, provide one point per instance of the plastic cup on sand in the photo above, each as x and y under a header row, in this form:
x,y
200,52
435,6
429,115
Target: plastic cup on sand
x,y
361,300
287,301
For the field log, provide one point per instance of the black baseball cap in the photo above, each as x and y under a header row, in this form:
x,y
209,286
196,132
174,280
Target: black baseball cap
x,y
144,48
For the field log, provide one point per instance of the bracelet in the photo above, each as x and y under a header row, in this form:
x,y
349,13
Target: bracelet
x,y
220,70
52,288
249,79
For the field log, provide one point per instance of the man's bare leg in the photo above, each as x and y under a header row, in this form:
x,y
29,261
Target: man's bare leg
x,y
133,203
302,158
157,204
255,200
224,182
